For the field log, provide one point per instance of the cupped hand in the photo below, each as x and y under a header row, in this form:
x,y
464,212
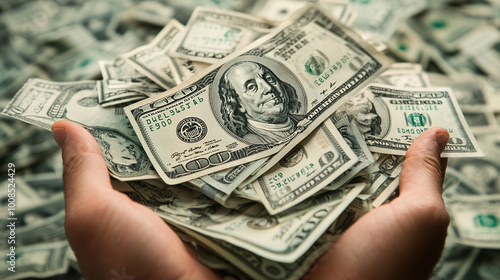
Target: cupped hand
x,y
112,236
404,238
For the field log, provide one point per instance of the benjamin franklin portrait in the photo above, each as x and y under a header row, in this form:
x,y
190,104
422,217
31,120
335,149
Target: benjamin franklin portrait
x,y
256,104
361,109
122,155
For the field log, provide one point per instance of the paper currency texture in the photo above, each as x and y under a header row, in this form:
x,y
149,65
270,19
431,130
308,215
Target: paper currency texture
x,y
263,99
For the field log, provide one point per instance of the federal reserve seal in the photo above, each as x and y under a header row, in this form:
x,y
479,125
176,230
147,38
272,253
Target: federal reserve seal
x,y
191,130
262,223
88,102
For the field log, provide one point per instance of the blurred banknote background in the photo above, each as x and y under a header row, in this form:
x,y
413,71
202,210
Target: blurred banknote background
x,y
117,52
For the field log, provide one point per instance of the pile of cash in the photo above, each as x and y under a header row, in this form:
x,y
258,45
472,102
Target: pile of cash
x,y
258,130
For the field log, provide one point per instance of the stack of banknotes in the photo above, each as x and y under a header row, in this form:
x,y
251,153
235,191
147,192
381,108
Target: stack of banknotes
x,y
258,130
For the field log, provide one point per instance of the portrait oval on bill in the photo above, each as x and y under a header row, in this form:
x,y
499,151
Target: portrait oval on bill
x,y
122,155
257,100
483,172
368,112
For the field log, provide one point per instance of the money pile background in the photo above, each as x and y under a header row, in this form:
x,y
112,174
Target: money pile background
x,y
452,44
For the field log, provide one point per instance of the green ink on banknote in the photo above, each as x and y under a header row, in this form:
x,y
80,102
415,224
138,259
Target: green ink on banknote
x,y
315,65
486,220
331,70
417,120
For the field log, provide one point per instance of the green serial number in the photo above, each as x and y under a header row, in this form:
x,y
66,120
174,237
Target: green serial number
x,y
331,70
163,119
416,108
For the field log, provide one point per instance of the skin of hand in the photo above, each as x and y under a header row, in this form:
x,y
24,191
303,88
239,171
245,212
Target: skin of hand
x,y
112,235
404,238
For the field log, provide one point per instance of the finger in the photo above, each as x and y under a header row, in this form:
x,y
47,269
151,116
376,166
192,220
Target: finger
x,y
89,194
444,164
84,170
423,169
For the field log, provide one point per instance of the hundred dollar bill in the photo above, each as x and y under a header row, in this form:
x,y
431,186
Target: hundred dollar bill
x,y
480,120
483,266
36,261
406,44
356,142
19,21
259,101
385,190
259,268
483,47
150,192
405,75
255,233
115,92
494,94
35,148
279,10
471,93
210,258
189,5
212,34
455,260
306,169
278,238
475,220
183,69
445,29
246,191
78,65
381,18
481,173
351,136
12,133
455,183
489,58
42,103
46,230
150,12
46,184
117,69
381,174
121,80
15,72
26,196
391,118
152,59
339,9
121,83
228,180
208,190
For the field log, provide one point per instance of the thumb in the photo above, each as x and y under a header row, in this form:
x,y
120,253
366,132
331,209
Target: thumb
x,y
423,169
84,170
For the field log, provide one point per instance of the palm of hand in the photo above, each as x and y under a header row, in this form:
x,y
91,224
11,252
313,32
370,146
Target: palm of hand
x,y
125,237
112,235
402,239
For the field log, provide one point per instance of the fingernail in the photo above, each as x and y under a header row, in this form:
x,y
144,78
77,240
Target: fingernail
x,y
442,141
60,136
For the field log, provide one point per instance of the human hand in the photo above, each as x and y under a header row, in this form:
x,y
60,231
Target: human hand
x,y
111,235
404,238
